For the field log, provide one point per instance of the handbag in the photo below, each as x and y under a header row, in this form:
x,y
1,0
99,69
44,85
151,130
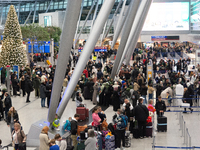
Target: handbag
x,y
104,126
22,146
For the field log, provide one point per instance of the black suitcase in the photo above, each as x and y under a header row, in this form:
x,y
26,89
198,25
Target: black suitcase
x,y
149,129
136,133
162,124
83,135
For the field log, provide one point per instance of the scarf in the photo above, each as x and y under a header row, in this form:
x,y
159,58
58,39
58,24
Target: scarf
x,y
15,138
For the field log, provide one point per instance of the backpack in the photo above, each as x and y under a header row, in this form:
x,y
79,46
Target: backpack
x,y
124,122
67,125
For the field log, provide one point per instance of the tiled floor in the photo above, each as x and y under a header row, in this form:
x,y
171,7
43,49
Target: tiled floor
x,y
32,112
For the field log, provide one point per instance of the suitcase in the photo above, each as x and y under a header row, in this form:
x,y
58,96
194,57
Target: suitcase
x,y
81,111
149,129
110,143
83,135
136,133
162,124
127,139
87,113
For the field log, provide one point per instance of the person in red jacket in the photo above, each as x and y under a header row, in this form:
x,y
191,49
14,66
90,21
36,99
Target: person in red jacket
x,y
85,72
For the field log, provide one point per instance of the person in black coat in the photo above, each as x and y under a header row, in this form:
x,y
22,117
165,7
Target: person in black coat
x,y
22,85
48,94
187,97
141,113
160,107
15,85
115,101
3,75
28,88
12,118
8,103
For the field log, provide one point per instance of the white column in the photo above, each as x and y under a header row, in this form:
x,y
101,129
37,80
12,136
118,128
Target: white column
x,y
125,33
88,48
68,32
120,23
137,28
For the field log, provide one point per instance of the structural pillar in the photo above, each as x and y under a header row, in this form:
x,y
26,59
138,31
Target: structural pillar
x,y
137,28
120,24
125,33
34,12
18,13
88,48
68,32
85,22
115,14
95,14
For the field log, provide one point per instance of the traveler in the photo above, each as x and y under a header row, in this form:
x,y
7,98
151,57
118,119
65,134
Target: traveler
x,y
36,85
18,136
43,92
91,142
22,85
44,139
48,94
53,145
141,113
12,118
60,142
74,127
78,100
126,101
67,125
28,88
7,103
121,122
160,107
150,106
96,119
101,114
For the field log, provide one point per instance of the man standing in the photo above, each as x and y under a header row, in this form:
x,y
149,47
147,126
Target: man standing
x,y
74,128
141,113
7,103
121,121
160,107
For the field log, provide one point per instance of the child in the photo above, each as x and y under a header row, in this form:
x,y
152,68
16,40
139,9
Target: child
x,y
67,125
56,123
53,145
150,106
60,142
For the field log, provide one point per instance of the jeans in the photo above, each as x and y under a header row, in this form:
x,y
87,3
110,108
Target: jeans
x,y
142,128
43,102
16,146
120,136
150,96
145,99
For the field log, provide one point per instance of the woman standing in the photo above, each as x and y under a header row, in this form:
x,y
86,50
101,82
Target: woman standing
x,y
44,139
94,74
95,92
12,118
22,85
18,136
96,118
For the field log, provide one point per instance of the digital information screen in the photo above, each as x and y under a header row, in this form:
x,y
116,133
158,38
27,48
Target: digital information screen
x,y
167,16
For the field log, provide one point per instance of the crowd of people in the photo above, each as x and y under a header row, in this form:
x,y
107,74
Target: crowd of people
x,y
129,92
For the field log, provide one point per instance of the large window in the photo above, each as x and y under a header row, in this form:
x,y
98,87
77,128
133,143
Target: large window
x,y
167,16
47,21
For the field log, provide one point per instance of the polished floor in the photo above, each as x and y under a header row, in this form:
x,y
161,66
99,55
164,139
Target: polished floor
x,y
32,112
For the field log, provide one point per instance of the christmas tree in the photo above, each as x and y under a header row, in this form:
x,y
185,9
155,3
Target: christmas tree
x,y
13,52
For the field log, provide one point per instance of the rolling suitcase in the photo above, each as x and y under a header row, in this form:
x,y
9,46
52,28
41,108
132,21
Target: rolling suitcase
x,y
81,111
162,124
149,129
81,145
103,138
110,143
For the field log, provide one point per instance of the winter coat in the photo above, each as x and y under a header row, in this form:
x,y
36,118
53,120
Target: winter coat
x,y
44,141
141,112
43,91
15,117
95,92
160,106
36,83
20,136
28,85
8,102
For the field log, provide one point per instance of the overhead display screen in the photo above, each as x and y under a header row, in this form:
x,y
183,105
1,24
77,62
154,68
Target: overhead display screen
x,y
167,16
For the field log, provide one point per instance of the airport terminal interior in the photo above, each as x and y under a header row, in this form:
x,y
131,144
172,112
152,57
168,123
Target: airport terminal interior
x,y
103,74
